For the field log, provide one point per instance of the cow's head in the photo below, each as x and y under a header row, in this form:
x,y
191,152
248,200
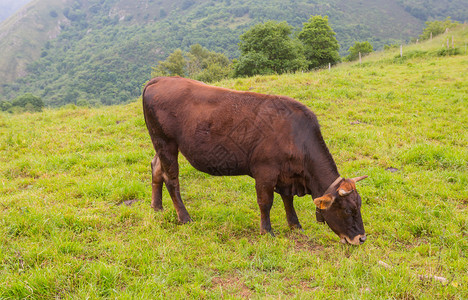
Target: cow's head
x,y
340,207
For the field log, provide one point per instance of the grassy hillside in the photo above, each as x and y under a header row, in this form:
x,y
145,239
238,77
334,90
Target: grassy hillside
x,y
64,51
67,174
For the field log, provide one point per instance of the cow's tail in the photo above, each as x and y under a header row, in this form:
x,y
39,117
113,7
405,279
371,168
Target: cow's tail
x,y
144,101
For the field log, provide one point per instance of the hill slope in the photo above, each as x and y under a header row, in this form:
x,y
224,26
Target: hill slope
x,y
64,50
402,121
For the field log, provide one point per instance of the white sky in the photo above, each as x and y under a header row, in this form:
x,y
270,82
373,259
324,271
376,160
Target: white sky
x,y
9,7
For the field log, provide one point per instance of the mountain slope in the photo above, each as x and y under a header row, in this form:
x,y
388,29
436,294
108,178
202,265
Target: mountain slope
x,y
103,51
24,34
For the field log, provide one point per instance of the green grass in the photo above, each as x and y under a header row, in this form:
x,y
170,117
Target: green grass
x,y
64,232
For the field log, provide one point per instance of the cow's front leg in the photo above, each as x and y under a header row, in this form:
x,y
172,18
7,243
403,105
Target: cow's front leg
x,y
291,215
265,202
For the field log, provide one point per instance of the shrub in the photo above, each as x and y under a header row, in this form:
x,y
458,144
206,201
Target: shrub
x,y
359,47
28,102
436,28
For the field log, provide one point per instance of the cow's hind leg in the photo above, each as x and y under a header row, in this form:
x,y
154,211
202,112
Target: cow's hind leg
x,y
156,184
291,215
170,172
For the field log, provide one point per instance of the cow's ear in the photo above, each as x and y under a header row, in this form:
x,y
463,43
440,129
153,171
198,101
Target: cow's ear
x,y
324,202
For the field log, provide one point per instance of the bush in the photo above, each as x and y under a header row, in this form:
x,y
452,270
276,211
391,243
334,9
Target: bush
x,y
359,47
5,105
436,28
391,47
450,51
28,102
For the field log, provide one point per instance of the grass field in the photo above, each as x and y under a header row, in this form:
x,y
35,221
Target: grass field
x,y
68,177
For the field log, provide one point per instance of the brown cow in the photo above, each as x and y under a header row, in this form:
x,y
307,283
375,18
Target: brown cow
x,y
274,139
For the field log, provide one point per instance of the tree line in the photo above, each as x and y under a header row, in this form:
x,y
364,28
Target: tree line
x,y
275,48
271,47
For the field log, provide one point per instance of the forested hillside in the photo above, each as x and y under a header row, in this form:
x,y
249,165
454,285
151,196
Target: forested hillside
x,y
435,9
103,50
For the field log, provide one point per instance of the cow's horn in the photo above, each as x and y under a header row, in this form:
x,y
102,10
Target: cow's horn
x,y
343,193
356,179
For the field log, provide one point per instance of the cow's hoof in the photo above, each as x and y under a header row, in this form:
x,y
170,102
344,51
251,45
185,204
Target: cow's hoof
x,y
185,220
157,208
270,232
296,227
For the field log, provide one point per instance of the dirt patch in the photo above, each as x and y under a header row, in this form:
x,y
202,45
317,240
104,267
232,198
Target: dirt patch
x,y
231,286
303,242
309,246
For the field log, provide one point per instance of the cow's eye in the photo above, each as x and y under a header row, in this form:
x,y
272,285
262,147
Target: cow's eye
x,y
348,211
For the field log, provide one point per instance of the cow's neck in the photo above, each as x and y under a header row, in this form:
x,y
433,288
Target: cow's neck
x,y
321,167
323,177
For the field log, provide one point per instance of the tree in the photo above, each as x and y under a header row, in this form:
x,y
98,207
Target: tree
x,y
359,47
199,63
195,58
268,48
251,64
174,65
320,44
436,28
207,66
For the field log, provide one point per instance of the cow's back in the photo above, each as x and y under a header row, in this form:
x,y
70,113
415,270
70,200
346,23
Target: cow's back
x,y
220,131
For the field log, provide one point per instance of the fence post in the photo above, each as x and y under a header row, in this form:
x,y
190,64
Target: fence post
x,y
329,66
360,61
401,50
431,36
453,43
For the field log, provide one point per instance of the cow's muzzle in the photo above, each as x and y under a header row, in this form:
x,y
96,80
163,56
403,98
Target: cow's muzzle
x,y
357,240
